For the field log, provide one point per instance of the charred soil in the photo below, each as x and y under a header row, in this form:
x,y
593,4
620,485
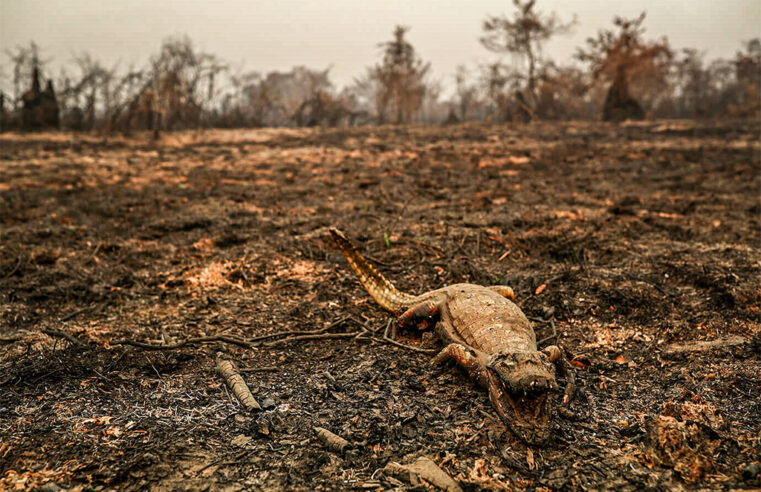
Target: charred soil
x,y
639,244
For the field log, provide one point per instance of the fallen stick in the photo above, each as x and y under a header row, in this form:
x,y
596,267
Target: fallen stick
x,y
15,269
313,337
289,333
408,347
426,469
247,342
237,385
189,341
58,333
333,441
74,314
702,345
259,369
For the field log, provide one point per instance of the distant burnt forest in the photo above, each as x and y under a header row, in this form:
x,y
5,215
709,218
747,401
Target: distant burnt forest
x,y
620,74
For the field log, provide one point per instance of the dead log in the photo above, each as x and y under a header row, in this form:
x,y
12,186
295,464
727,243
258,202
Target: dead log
x,y
237,385
426,469
333,441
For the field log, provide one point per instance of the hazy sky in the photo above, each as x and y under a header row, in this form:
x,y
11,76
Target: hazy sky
x,y
275,35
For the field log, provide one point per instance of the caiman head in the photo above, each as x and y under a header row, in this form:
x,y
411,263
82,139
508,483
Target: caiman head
x,y
521,388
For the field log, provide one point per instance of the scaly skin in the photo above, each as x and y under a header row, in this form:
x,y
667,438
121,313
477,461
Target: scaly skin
x,y
485,333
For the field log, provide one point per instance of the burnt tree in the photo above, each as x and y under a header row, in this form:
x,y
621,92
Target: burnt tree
x,y
624,57
523,35
39,107
619,105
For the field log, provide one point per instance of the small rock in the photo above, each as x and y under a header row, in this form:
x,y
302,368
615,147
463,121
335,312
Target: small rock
x,y
268,403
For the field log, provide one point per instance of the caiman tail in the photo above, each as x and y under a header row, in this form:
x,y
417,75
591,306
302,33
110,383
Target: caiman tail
x,y
375,284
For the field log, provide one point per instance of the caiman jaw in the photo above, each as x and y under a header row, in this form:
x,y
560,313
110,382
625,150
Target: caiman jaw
x,y
526,413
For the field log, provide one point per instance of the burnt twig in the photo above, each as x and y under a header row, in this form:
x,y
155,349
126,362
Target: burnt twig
x,y
58,333
314,337
549,337
15,269
74,314
409,347
237,384
309,332
246,342
333,441
259,369
189,341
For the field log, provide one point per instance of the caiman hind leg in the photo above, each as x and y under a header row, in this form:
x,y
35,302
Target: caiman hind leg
x,y
561,366
427,310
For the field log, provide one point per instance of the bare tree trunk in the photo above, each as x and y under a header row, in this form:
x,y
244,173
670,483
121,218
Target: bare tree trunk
x,y
156,125
619,105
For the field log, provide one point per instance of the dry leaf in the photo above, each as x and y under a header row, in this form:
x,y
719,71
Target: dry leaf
x,y
530,459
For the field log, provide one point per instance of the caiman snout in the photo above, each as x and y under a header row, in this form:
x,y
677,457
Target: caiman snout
x,y
521,387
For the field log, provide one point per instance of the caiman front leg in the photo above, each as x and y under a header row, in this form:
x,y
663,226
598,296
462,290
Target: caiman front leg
x,y
470,359
561,366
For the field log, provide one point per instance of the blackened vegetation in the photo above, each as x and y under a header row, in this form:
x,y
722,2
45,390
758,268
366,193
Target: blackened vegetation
x,y
638,243
40,107
619,105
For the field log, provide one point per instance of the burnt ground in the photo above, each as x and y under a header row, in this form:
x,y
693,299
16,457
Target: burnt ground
x,y
640,243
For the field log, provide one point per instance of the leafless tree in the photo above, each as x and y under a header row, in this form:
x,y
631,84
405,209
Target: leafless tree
x,y
522,35
692,84
748,75
503,85
92,86
182,83
400,80
467,93
24,59
563,93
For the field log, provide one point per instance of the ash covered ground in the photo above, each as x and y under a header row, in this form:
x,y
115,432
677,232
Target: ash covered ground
x,y
639,243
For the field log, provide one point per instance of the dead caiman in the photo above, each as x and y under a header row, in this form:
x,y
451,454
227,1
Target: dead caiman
x,y
485,333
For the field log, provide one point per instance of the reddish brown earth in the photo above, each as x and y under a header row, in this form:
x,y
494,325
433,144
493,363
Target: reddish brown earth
x,y
640,243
